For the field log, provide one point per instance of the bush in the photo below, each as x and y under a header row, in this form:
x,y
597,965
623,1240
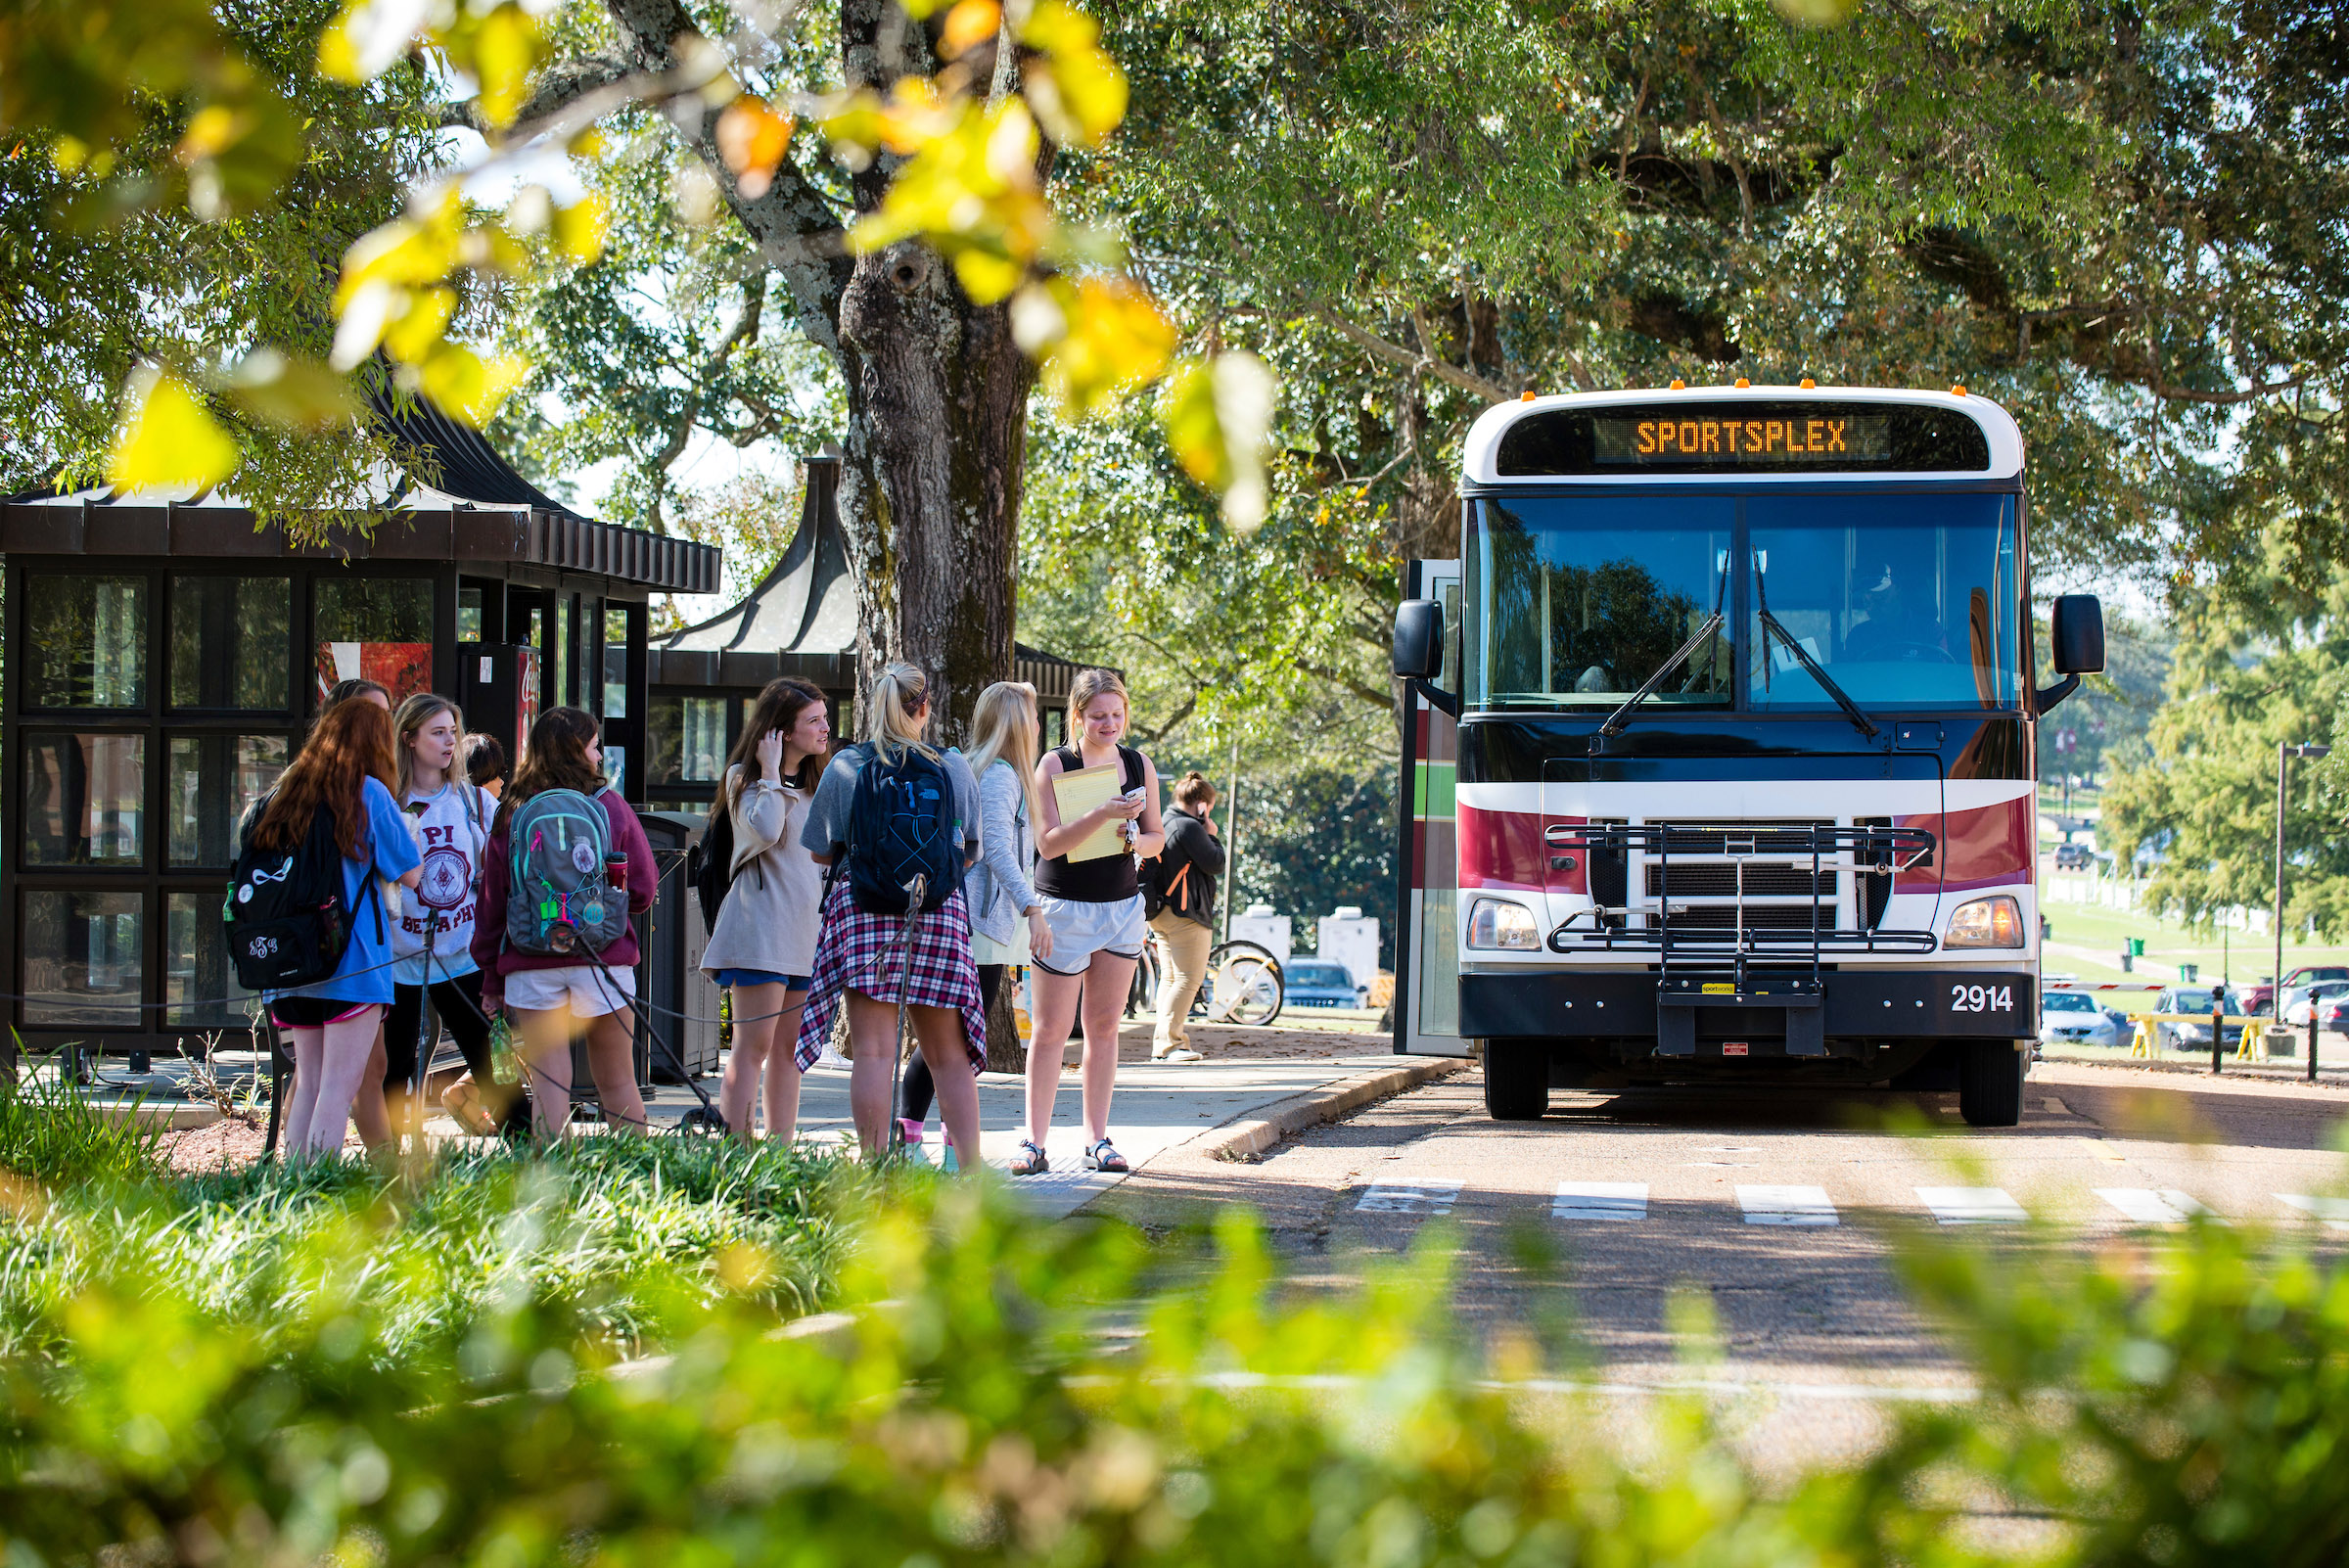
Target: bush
x,y
601,1226
51,1131
1001,1391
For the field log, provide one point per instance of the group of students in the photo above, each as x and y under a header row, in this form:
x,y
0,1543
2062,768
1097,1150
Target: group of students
x,y
796,940
422,842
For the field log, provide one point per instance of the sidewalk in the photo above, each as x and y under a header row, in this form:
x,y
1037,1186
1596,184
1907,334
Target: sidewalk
x,y
1157,1107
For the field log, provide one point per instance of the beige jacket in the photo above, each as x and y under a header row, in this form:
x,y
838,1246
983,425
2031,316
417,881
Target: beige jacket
x,y
770,915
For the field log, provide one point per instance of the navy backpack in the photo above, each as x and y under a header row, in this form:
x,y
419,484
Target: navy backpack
x,y
901,825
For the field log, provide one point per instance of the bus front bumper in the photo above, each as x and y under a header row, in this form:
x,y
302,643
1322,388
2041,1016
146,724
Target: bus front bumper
x,y
1771,1014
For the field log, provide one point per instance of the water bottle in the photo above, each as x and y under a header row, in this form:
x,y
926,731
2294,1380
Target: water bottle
x,y
505,1067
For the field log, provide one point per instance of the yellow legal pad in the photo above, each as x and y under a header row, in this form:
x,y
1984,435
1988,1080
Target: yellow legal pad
x,y
1077,793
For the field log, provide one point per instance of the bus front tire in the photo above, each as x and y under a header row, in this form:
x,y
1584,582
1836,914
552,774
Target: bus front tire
x,y
1990,1083
1517,1081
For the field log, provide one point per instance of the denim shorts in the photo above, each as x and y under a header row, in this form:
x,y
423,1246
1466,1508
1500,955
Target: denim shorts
x,y
758,977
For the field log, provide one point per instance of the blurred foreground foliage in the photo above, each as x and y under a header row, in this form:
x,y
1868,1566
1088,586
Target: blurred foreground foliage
x,y
989,1389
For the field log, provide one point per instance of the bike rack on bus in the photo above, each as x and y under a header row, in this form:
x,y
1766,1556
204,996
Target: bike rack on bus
x,y
1873,851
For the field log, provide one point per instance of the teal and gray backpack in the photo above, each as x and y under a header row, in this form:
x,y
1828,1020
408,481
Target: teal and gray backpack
x,y
563,894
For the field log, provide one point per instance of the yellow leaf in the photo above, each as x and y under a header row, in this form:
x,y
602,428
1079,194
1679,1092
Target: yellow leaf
x,y
1055,28
969,24
211,131
505,49
167,439
1216,417
456,379
579,228
852,124
368,37
1816,13
1080,97
414,331
1116,340
752,139
987,276
297,394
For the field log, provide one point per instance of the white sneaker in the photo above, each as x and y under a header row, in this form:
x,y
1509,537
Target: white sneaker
x,y
1179,1053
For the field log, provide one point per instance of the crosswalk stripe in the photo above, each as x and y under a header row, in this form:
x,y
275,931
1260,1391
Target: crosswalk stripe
x,y
1972,1206
1600,1199
1786,1206
1432,1196
2334,1212
2153,1206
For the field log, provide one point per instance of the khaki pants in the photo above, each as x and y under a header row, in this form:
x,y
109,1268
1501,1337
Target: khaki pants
x,y
1182,948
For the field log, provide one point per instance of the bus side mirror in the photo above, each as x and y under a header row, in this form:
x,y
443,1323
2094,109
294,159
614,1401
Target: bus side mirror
x,y
2076,630
1418,640
1418,655
2078,633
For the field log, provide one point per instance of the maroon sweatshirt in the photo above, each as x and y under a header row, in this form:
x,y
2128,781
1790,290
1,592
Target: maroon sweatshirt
x,y
490,949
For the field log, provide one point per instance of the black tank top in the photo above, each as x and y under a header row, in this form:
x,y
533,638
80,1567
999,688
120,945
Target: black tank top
x,y
1103,881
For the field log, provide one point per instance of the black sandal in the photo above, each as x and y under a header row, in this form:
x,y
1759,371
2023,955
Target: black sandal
x,y
1029,1161
1104,1156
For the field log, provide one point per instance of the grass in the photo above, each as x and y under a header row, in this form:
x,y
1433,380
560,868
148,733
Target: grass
x,y
2240,955
614,1231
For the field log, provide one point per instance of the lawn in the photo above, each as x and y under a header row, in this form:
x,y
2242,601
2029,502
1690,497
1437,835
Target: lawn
x,y
2087,939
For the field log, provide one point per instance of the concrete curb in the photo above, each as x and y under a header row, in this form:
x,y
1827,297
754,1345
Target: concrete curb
x,y
1283,1119
2250,1072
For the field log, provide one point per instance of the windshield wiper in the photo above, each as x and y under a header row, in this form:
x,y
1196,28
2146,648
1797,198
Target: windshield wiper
x,y
1802,655
1618,718
1712,623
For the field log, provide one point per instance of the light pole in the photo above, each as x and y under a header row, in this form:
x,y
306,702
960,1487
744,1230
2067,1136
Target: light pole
x,y
2283,751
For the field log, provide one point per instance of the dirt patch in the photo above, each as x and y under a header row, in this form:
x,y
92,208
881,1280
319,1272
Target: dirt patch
x,y
227,1145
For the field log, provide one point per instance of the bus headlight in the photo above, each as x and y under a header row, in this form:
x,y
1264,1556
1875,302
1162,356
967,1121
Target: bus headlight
x,y
1509,927
1996,922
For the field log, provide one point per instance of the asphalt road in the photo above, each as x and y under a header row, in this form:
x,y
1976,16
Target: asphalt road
x,y
1775,1207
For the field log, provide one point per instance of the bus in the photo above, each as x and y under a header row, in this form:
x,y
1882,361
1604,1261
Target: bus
x,y
1719,752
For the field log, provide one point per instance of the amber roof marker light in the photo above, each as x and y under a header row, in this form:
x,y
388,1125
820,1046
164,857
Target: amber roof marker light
x,y
1679,385
1742,381
1807,384
1526,396
1958,389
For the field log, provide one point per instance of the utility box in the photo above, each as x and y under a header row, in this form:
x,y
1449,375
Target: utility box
x,y
1265,929
1349,937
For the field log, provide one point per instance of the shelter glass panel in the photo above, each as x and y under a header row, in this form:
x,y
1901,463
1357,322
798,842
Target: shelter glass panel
x,y
375,628
86,641
209,781
85,799
228,642
82,957
615,663
199,984
688,739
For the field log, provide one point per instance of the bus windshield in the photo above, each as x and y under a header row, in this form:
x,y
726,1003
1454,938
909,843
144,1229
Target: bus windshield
x,y
1906,601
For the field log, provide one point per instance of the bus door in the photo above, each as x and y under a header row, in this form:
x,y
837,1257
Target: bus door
x,y
1427,867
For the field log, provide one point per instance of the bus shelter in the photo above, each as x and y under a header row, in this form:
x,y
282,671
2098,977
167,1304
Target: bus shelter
x,y
165,652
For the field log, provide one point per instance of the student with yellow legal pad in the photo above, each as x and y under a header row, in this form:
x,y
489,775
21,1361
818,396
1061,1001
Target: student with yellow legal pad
x,y
1098,802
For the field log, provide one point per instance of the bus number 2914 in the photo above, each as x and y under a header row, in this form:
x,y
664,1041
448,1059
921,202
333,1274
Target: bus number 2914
x,y
1981,998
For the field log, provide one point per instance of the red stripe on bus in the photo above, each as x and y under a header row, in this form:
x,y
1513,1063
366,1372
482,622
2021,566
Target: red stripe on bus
x,y
1988,846
1500,850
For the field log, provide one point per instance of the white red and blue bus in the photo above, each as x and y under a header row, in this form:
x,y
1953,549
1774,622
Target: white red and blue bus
x,y
1720,766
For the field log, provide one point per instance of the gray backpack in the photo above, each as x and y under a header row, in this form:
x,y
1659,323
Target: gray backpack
x,y
563,894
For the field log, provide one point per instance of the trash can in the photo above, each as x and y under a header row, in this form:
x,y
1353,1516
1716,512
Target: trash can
x,y
2136,947
684,1002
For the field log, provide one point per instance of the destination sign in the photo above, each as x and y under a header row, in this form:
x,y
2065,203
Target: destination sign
x,y
1745,435
1833,440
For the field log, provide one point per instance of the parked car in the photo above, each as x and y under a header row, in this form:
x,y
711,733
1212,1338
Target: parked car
x,y
2300,1000
2074,858
1318,982
2073,1018
2193,1036
2260,998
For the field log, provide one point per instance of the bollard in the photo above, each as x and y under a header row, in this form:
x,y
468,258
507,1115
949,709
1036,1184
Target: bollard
x,y
2218,1027
2312,1041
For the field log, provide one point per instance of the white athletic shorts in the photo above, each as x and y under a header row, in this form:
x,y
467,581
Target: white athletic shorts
x,y
588,990
1081,930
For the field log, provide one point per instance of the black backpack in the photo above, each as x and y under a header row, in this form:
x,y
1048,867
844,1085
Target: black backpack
x,y
710,865
901,825
287,923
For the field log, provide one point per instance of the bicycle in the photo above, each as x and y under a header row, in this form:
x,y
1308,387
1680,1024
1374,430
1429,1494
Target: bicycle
x,y
1244,985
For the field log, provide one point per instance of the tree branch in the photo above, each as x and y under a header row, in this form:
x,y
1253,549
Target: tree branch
x,y
560,85
797,230
1395,354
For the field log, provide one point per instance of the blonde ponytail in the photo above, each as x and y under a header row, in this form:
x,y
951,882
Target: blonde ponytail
x,y
899,692
1003,730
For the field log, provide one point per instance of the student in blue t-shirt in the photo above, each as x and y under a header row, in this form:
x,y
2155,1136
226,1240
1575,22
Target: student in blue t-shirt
x,y
346,768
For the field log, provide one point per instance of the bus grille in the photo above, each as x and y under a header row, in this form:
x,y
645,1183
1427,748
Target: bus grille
x,y
1716,880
